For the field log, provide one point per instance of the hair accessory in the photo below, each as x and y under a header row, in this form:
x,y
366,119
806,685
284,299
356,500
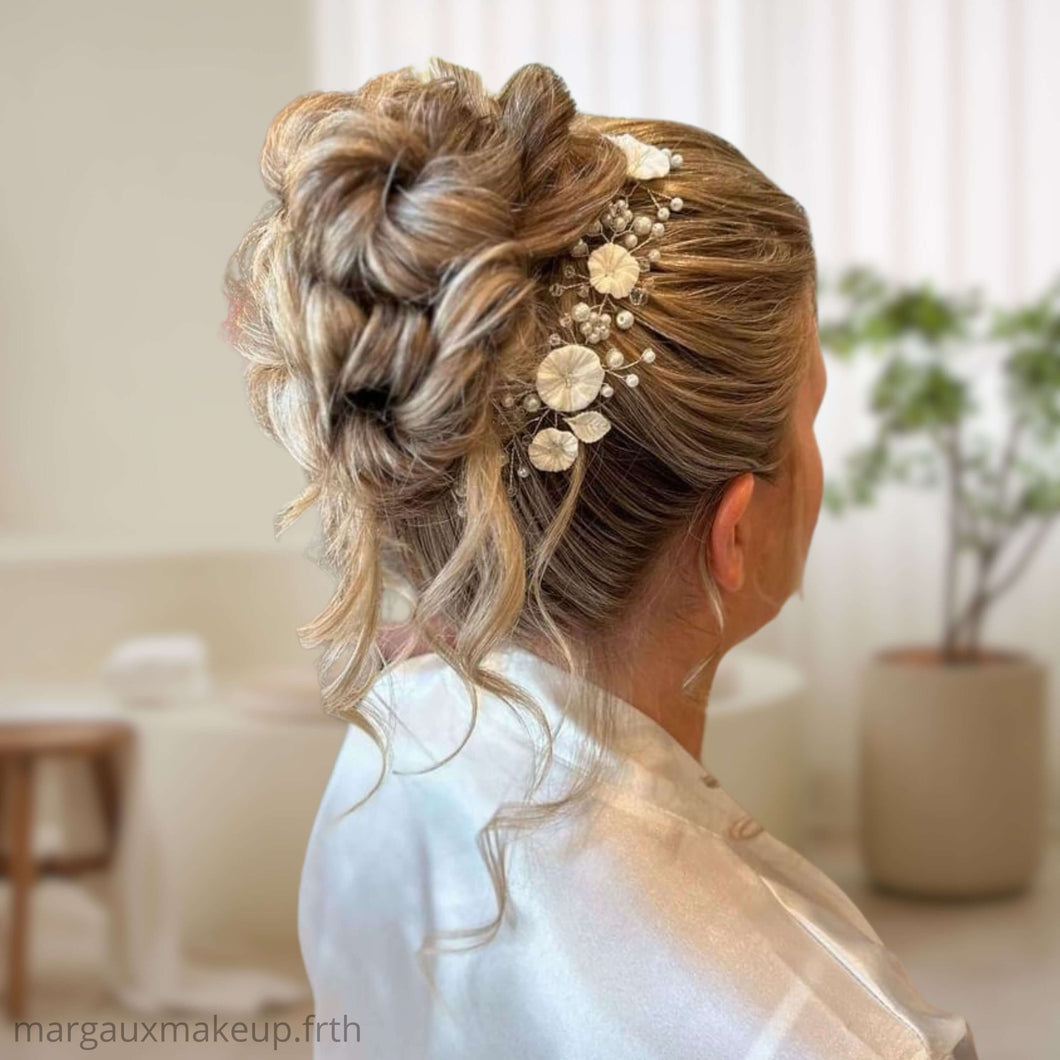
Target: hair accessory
x,y
573,374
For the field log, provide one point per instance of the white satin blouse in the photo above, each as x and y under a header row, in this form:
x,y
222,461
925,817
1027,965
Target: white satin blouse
x,y
662,923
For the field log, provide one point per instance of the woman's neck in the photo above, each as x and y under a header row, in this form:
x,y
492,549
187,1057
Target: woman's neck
x,y
652,676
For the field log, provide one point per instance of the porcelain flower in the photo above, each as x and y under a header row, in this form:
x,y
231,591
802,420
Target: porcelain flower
x,y
613,270
643,161
552,449
569,378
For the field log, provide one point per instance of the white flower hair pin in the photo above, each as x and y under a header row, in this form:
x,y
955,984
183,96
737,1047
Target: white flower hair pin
x,y
573,374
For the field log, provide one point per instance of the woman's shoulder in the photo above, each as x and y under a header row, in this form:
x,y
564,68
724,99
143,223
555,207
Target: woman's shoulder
x,y
722,935
657,917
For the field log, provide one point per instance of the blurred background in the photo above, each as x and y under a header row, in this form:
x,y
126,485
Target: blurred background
x,y
161,744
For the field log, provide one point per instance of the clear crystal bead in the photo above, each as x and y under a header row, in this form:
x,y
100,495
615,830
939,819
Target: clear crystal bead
x,y
638,296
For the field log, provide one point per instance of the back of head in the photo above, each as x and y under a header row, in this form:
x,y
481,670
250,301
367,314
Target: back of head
x,y
401,276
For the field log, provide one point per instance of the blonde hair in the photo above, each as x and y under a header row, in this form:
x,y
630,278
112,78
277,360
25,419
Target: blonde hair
x,y
399,272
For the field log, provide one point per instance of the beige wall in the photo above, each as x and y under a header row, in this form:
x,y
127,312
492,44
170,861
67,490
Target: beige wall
x,y
130,137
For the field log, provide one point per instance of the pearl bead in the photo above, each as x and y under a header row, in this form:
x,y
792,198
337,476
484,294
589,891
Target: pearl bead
x,y
605,318
629,240
624,319
596,228
523,472
621,203
676,160
615,359
663,213
580,312
631,379
585,327
657,229
508,401
607,390
654,254
642,225
619,223
677,204
648,355
531,403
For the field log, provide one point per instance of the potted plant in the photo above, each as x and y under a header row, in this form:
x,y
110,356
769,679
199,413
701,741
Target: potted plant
x,y
952,733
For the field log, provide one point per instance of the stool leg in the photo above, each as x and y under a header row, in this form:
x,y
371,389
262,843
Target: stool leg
x,y
21,880
107,786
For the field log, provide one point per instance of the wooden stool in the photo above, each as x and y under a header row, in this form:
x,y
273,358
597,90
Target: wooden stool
x,y
21,745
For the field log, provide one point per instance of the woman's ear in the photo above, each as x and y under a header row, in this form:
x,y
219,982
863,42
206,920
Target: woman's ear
x,y
728,537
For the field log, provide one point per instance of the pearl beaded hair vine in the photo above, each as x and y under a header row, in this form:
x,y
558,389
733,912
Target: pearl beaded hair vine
x,y
572,375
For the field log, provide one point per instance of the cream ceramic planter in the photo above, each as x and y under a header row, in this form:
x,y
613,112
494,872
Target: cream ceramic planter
x,y
952,772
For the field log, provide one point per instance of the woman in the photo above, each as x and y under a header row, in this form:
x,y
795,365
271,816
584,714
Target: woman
x,y
556,374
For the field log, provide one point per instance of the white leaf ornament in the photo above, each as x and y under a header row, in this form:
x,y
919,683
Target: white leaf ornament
x,y
613,270
643,161
589,426
569,378
552,449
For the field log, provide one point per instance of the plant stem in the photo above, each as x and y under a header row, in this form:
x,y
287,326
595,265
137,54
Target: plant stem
x,y
985,595
952,552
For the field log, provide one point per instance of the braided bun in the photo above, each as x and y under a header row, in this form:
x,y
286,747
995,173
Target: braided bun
x,y
399,260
